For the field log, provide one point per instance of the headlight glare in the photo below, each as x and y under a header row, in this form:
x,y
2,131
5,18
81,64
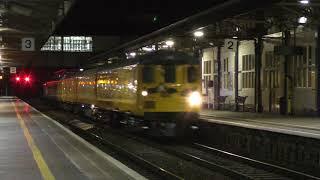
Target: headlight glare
x,y
194,99
144,93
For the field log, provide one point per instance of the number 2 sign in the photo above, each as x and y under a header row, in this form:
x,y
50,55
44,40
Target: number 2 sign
x,y
230,44
27,44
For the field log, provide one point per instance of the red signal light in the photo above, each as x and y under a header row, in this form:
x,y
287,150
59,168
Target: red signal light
x,y
17,78
27,79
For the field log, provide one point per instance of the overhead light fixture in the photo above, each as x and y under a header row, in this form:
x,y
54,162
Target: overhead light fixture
x,y
198,34
81,69
304,1
235,37
169,43
148,49
133,54
302,20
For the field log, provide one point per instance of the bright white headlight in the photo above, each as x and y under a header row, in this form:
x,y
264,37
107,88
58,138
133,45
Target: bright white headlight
x,y
194,99
144,93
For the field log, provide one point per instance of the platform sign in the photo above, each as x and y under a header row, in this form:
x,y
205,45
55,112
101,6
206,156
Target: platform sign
x,y
230,44
13,70
27,44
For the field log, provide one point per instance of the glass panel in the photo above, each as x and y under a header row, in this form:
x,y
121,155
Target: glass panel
x,y
313,80
147,75
250,62
309,77
70,44
304,77
249,80
253,61
227,64
304,56
246,80
170,73
243,80
192,74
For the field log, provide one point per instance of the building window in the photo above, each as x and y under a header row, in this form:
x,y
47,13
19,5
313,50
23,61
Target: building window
x,y
207,78
70,44
226,75
248,71
207,67
303,68
271,70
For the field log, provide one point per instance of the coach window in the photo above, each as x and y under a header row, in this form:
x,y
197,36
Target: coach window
x,y
170,74
148,74
192,74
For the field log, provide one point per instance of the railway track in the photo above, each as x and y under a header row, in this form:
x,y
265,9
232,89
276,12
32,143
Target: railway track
x,y
163,164
230,165
137,159
273,168
224,165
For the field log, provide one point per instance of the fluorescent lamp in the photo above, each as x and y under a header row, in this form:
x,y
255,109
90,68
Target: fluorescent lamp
x,y
304,1
302,20
198,34
170,43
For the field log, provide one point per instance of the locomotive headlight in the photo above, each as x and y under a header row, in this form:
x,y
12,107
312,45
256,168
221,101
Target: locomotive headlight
x,y
144,93
194,99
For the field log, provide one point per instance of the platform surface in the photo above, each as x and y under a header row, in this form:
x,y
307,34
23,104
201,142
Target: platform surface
x,y
306,126
33,146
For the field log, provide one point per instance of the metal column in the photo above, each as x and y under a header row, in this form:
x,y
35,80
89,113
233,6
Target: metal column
x,y
286,71
6,81
218,87
236,77
258,60
318,71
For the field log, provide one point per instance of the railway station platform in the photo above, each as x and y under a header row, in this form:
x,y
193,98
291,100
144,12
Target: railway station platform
x,y
33,146
287,141
305,126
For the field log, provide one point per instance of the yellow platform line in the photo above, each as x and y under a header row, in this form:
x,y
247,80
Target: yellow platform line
x,y
41,163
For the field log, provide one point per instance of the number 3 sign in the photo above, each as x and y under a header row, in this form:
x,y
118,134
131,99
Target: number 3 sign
x,y
230,44
27,44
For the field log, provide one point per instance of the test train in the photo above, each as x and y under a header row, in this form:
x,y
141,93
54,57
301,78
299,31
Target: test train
x,y
159,92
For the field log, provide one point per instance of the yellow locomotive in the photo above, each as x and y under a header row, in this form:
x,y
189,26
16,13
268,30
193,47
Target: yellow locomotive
x,y
159,91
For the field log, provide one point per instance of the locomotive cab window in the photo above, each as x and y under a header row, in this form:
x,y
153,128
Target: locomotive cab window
x,y
147,74
170,73
192,74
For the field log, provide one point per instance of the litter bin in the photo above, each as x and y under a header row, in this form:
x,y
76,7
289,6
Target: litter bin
x,y
283,105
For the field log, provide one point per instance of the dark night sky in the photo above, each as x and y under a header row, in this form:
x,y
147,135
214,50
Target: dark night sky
x,y
128,17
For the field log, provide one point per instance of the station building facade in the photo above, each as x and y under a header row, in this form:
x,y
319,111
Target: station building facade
x,y
301,78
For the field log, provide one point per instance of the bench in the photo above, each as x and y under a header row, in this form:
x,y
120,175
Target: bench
x,y
221,100
240,100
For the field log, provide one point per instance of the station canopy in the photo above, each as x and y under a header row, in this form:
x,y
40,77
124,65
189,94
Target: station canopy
x,y
144,22
239,19
25,18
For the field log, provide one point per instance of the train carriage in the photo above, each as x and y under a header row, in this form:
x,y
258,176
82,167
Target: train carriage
x,y
160,89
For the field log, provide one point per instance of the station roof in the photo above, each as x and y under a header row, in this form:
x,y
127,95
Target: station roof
x,y
24,18
244,19
139,19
